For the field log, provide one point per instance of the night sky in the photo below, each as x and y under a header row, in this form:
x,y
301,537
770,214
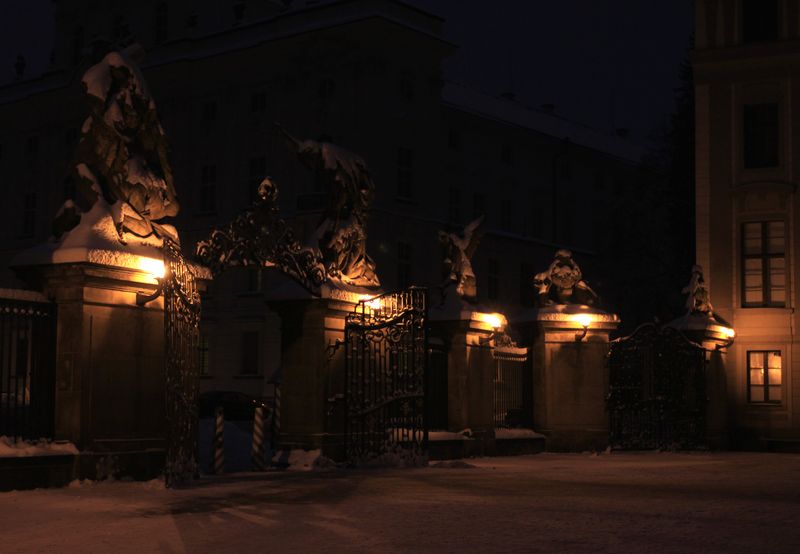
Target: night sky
x,y
607,63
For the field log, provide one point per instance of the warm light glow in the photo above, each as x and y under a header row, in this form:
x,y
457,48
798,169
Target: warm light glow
x,y
153,267
373,303
584,320
496,321
730,333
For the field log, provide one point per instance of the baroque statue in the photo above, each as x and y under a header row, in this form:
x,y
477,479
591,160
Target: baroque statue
x,y
458,252
563,283
341,233
698,300
122,157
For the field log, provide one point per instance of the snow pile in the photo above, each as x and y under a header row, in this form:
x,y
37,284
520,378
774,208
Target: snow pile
x,y
10,448
302,460
452,464
517,434
463,435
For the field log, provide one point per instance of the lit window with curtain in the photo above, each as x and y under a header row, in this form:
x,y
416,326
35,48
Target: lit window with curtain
x,y
763,264
764,379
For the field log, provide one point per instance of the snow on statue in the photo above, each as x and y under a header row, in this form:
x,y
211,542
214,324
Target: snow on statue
x,y
458,252
563,283
122,164
341,234
698,299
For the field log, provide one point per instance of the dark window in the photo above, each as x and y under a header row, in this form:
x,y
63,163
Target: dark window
x,y
599,182
238,10
29,214
210,111
764,377
202,355
454,139
760,137
454,205
32,146
507,154
120,29
327,88
525,284
493,279
764,264
77,45
258,170
250,344
406,89
162,22
405,173
759,20
258,102
403,264
479,207
507,218
208,189
565,169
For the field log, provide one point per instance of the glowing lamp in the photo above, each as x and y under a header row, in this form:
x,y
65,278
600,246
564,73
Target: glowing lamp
x,y
730,333
584,320
157,270
153,267
495,320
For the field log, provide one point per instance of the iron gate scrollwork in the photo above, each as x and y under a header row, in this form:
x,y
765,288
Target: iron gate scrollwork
x,y
385,378
657,395
182,339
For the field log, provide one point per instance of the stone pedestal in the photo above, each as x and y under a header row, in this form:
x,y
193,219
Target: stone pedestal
x,y
570,375
109,365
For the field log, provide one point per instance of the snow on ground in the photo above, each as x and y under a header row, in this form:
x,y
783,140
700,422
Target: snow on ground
x,y
620,502
501,433
9,448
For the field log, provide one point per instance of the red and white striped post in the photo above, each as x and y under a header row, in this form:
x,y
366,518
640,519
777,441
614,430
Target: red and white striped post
x,y
257,454
218,446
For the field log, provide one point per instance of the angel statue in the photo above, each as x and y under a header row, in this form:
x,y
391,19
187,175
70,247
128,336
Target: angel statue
x,y
122,157
698,299
341,234
563,283
458,252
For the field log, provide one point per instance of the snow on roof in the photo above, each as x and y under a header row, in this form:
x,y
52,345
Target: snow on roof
x,y
463,98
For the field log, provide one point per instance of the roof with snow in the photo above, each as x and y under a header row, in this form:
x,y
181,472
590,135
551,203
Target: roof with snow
x,y
463,98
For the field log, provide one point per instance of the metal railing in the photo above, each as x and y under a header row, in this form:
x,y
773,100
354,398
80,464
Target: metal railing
x,y
512,392
27,365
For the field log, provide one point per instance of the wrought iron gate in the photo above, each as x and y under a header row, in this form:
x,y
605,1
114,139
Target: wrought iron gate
x,y
27,365
182,337
513,389
385,378
657,396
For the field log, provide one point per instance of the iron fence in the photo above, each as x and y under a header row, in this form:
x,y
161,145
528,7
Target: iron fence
x,y
27,365
513,393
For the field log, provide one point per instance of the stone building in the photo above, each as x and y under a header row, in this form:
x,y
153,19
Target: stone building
x,y
747,67
367,75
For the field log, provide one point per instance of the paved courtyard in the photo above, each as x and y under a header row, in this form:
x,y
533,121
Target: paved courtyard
x,y
732,502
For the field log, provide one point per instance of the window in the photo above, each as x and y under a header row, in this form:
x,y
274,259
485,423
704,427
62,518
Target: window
x,y
526,273
764,376
478,205
32,146
763,264
238,11
162,22
202,356
403,264
208,189
258,170
760,136
454,139
454,205
77,45
507,154
29,214
250,345
759,20
210,111
493,279
405,173
258,102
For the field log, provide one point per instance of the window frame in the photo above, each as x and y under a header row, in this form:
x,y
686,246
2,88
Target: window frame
x,y
765,256
765,385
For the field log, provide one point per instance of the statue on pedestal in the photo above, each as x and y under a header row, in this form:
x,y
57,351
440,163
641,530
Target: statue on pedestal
x,y
563,283
122,157
698,300
341,234
458,252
